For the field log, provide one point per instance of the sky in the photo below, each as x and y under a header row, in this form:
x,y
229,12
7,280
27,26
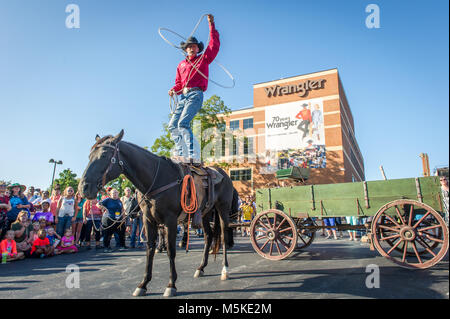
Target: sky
x,y
60,86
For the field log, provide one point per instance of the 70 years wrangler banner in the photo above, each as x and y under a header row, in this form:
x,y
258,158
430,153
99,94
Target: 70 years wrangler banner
x,y
295,135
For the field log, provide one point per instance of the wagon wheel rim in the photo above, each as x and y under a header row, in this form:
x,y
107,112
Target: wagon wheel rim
x,y
305,236
415,237
273,234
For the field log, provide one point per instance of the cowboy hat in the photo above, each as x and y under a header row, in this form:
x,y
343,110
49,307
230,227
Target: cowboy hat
x,y
22,187
192,40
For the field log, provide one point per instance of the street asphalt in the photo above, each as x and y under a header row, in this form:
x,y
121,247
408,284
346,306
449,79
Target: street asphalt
x,y
328,269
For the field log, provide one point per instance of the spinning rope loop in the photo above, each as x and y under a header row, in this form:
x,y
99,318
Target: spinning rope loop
x,y
194,65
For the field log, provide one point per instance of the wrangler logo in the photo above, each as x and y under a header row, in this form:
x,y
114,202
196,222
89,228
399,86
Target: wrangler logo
x,y
302,88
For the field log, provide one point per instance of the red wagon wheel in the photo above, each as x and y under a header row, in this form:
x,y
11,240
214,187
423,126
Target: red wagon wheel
x,y
411,234
273,234
305,235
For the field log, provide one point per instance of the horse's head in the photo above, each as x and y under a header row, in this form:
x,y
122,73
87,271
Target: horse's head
x,y
104,165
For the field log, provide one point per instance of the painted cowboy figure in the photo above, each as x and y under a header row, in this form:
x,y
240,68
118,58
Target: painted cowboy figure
x,y
190,83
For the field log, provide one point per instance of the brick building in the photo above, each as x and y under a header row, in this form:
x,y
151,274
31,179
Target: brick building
x,y
300,121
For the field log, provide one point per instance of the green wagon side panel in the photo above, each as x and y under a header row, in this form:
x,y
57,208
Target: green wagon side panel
x,y
347,199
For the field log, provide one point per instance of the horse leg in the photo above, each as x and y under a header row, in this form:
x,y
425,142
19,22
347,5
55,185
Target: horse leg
x,y
208,240
151,230
223,214
171,238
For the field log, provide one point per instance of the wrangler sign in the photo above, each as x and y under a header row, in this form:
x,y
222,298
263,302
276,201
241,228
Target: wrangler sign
x,y
302,88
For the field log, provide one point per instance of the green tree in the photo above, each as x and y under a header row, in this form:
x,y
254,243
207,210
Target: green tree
x,y
120,183
67,178
207,116
163,144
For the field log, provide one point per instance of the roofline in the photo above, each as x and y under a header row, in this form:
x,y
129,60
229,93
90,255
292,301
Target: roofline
x,y
294,76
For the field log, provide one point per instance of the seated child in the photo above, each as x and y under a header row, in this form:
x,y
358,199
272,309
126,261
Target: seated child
x,y
41,246
53,237
36,228
44,213
8,246
67,244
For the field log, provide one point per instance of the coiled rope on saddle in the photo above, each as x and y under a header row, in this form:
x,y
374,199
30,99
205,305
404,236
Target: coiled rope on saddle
x,y
189,202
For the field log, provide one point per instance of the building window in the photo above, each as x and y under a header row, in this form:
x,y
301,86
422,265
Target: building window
x,y
221,126
248,145
241,174
234,125
247,123
235,150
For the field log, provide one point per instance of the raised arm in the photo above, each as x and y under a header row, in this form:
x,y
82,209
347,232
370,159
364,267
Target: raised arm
x,y
214,43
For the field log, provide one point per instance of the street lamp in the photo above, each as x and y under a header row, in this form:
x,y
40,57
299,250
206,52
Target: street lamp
x,y
54,168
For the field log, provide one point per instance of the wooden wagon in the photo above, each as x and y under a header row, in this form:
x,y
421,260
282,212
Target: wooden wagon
x,y
403,223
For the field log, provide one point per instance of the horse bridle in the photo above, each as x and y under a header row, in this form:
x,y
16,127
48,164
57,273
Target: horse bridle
x,y
113,160
120,162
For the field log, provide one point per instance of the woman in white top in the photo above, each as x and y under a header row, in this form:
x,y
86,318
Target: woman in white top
x,y
65,211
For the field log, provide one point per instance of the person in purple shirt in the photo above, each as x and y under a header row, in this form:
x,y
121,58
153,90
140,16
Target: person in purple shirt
x,y
44,213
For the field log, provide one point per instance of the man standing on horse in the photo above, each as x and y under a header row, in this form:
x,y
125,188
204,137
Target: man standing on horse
x,y
190,83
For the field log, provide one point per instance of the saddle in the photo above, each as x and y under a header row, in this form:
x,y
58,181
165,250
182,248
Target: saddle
x,y
206,178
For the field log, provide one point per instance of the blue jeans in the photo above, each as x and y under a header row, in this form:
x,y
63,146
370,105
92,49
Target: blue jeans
x,y
180,125
136,226
63,223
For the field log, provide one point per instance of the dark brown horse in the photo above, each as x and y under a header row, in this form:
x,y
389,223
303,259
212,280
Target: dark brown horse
x,y
160,178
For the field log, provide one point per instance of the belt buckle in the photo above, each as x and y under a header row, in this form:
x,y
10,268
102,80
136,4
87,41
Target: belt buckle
x,y
185,91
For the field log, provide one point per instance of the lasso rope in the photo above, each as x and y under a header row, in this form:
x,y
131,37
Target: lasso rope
x,y
188,181
194,65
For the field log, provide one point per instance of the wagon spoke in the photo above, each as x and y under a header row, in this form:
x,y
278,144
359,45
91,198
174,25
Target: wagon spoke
x,y
268,221
390,228
261,237
284,244
392,220
411,211
271,247
425,245
416,252
428,236
428,228
288,238
390,237
279,225
420,220
301,238
262,247
405,249
285,230
278,247
399,215
393,247
262,224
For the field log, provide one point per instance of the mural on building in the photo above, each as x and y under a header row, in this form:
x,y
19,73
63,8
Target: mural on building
x,y
295,135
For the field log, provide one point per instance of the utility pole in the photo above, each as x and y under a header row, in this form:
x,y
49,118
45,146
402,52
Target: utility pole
x,y
425,164
382,172
54,169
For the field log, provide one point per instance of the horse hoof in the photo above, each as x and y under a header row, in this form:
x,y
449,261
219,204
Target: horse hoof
x,y
170,292
224,275
198,273
139,292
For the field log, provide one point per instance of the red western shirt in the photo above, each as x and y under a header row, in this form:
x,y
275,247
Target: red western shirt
x,y
186,78
304,115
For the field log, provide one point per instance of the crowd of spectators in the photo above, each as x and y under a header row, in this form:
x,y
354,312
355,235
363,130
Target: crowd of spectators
x,y
34,224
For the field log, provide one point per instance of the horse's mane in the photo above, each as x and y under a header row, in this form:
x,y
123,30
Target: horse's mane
x,y
172,163
100,141
104,138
